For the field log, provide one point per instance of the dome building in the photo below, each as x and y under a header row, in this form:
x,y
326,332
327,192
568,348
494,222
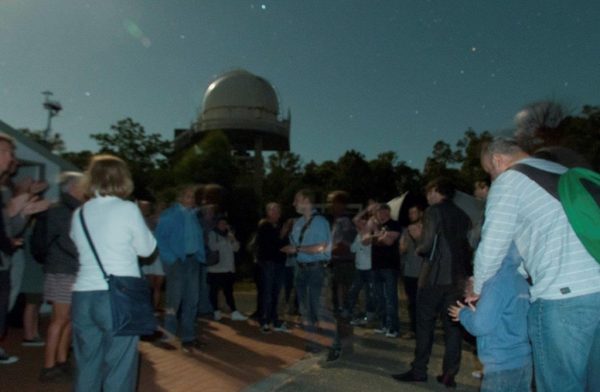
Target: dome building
x,y
246,108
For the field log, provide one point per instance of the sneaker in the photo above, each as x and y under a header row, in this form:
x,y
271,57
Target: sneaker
x,y
281,328
35,342
408,335
53,374
391,334
381,330
217,315
6,359
188,347
409,377
333,354
359,322
237,316
265,329
477,374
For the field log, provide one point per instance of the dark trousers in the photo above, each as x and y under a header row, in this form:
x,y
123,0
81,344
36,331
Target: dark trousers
x,y
410,288
224,281
362,278
273,275
431,301
4,299
258,280
385,285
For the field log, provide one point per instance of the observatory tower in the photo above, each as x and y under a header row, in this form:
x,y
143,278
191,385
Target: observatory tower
x,y
245,107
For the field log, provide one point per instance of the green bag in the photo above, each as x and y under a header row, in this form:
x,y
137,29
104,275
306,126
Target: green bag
x,y
579,194
578,190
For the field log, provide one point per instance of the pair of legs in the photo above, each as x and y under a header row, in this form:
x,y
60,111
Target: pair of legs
x,y
156,282
565,337
182,293
104,362
385,283
222,281
362,279
31,316
342,274
273,275
410,288
58,337
431,301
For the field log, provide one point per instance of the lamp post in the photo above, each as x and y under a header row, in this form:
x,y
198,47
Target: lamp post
x,y
53,107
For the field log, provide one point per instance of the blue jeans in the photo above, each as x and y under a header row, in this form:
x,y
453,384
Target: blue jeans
x,y
273,276
362,278
204,306
511,380
309,284
566,343
104,361
182,292
386,292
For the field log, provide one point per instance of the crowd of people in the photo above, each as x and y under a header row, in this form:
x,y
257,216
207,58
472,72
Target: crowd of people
x,y
517,278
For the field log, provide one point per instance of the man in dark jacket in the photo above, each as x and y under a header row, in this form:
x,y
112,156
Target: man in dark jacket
x,y
447,254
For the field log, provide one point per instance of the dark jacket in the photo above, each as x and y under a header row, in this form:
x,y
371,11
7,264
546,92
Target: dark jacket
x,y
62,257
269,243
444,245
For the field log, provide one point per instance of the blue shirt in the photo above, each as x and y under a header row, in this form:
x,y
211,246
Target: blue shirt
x,y
172,234
317,232
500,319
191,235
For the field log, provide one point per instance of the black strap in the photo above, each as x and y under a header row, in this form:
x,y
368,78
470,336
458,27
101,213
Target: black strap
x,y
545,179
87,235
306,224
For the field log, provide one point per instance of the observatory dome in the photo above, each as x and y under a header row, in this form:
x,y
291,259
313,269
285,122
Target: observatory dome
x,y
240,89
245,107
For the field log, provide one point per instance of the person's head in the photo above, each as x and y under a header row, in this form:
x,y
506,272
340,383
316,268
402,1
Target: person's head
x,y
186,195
303,201
7,153
481,189
383,213
499,154
337,201
439,190
415,213
222,224
71,184
273,212
107,175
415,229
145,207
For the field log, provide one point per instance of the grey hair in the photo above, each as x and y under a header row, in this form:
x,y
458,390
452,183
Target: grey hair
x,y
501,145
67,179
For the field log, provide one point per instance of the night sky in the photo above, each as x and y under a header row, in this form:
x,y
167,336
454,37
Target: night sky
x,y
367,75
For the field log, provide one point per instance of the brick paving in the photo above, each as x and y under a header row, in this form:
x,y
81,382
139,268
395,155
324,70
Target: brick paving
x,y
237,355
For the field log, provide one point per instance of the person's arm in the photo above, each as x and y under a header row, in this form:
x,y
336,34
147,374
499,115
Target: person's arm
x,y
498,230
163,233
430,223
388,238
484,319
143,240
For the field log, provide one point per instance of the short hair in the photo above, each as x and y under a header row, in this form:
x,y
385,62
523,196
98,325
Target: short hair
x,y
443,186
481,182
501,145
8,139
68,179
108,175
272,205
338,197
307,193
383,206
184,188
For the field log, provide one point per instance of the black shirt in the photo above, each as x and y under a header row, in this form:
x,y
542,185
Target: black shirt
x,y
269,243
387,256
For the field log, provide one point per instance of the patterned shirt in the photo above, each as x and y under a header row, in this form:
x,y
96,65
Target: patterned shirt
x,y
520,210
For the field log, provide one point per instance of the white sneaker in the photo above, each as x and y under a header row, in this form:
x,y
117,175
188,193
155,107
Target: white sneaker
x,y
391,334
6,359
281,328
237,316
217,315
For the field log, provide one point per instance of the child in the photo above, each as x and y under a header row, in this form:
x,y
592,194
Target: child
x,y
500,325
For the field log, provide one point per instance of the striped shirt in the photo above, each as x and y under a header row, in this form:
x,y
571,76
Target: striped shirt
x,y
519,210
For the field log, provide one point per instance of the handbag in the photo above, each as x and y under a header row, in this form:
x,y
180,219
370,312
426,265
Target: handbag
x,y
130,299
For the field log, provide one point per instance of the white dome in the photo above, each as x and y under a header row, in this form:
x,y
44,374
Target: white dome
x,y
240,89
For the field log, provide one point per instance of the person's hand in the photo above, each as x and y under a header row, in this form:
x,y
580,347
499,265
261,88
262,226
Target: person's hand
x,y
16,204
38,187
288,249
470,295
17,242
23,186
454,310
35,206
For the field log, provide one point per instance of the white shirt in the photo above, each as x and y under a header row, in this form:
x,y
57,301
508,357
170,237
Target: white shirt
x,y
362,260
119,234
226,248
520,210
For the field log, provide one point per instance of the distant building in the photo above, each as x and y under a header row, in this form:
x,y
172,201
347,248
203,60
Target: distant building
x,y
37,162
246,108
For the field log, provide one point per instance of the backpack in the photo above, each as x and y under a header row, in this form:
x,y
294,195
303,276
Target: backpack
x,y
578,190
38,241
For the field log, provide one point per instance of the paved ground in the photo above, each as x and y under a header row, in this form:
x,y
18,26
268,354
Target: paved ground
x,y
238,357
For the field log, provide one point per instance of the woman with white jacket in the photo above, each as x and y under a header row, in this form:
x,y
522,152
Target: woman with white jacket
x,y
222,275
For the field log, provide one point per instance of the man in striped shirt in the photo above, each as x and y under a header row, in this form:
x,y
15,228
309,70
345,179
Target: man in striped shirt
x,y
564,318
